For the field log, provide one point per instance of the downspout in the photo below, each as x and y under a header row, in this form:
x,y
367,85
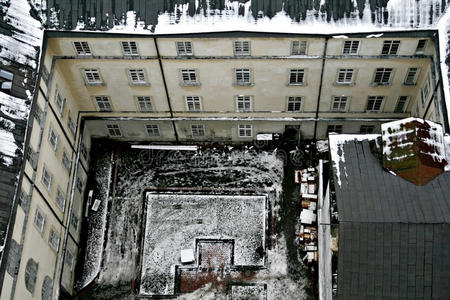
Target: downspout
x,y
166,90
69,213
320,86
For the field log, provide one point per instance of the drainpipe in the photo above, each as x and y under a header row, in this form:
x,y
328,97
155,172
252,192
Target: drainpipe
x,y
166,90
320,86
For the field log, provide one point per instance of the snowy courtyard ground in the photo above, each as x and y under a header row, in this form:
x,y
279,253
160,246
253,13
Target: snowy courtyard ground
x,y
240,194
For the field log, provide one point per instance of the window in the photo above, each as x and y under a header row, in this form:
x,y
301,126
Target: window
x,y
184,48
339,103
69,259
103,103
53,138
241,48
32,157
82,48
245,130
345,76
72,126
47,288
198,130
401,104
242,76
80,185
350,47
61,103
299,47
189,77
60,199
113,130
243,103
411,76
424,91
334,128
39,220
14,255
38,114
129,48
24,200
297,76
374,103
67,163
6,81
193,103
382,76
366,129
137,76
74,221
421,46
145,103
152,130
46,178
31,270
294,103
53,239
92,76
45,74
83,150
390,47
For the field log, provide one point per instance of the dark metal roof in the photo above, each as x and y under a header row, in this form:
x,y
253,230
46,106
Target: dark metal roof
x,y
394,236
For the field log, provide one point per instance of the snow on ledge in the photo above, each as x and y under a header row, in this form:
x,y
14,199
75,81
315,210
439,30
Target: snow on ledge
x,y
336,145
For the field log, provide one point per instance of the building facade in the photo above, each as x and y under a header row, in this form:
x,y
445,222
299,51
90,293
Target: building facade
x,y
193,88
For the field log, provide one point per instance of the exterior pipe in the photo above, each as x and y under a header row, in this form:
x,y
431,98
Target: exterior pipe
x,y
320,87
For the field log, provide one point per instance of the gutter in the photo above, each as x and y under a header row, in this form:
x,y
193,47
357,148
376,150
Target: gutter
x,y
320,87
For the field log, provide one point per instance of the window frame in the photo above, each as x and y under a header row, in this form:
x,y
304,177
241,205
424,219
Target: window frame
x,y
140,72
245,100
368,129
382,82
184,52
421,50
248,128
199,128
66,162
116,127
60,102
48,186
189,73
301,44
376,98
297,71
345,71
153,130
334,128
241,51
53,138
41,226
51,241
84,45
243,72
405,104
59,192
146,100
294,102
130,51
103,102
194,100
71,125
31,277
340,109
93,73
416,76
351,50
392,44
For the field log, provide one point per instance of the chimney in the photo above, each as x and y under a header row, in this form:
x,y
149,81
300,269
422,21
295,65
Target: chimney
x,y
414,149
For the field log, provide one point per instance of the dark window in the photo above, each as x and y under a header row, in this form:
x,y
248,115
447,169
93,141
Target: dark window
x,y
294,103
31,270
400,107
14,255
382,76
129,48
297,76
390,47
421,46
47,288
366,129
334,128
374,103
350,47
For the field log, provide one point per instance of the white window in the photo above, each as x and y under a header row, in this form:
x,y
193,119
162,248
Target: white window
x,y
244,130
382,76
421,46
53,239
61,103
184,48
299,47
145,103
193,103
365,129
294,103
243,103
345,76
297,76
53,138
46,178
152,130
198,130
241,48
103,103
71,124
334,128
350,47
92,76
60,199
79,185
82,48
411,76
339,103
137,76
401,104
39,220
67,163
374,103
424,91
69,259
129,48
390,47
189,77
242,76
113,130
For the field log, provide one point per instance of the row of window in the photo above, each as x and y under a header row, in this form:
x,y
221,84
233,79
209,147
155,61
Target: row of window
x,y
242,48
61,106
364,129
243,77
244,103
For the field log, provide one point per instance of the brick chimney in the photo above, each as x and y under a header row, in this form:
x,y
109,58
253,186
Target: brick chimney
x,y
414,149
